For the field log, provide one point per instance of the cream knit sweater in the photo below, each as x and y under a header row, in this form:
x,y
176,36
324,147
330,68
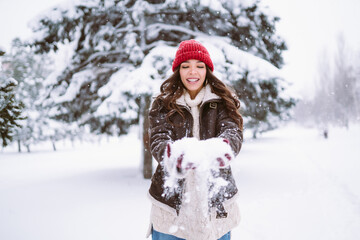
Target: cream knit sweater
x,y
191,224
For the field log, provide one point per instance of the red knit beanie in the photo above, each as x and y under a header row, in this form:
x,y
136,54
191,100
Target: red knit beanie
x,y
191,49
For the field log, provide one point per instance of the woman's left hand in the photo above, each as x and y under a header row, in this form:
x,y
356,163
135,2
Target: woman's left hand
x,y
223,153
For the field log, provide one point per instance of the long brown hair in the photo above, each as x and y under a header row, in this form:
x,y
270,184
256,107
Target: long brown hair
x,y
172,88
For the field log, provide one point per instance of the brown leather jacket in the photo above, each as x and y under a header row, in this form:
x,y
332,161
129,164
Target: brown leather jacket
x,y
214,122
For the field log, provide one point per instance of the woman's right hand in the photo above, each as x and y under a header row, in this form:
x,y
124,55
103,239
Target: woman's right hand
x,y
174,160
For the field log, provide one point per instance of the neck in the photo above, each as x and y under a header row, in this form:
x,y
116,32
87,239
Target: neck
x,y
196,101
193,94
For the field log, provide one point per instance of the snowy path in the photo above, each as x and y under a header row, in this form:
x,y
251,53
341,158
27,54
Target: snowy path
x,y
297,185
293,185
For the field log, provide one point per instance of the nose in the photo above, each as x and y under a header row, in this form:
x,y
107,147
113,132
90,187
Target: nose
x,y
192,69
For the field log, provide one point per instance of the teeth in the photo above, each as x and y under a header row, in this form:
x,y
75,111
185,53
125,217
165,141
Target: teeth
x,y
192,79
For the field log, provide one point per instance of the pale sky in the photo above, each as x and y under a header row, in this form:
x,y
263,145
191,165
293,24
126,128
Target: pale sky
x,y
308,26
14,15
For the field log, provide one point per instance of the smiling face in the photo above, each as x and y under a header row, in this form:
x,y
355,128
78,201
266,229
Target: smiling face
x,y
193,74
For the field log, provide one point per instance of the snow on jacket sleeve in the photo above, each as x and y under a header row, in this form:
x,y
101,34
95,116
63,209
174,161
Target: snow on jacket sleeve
x,y
160,131
228,129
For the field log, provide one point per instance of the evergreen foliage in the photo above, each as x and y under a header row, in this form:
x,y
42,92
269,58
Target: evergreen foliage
x,y
122,39
31,70
10,109
263,101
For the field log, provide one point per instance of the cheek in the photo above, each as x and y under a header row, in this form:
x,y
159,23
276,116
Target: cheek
x,y
182,73
203,74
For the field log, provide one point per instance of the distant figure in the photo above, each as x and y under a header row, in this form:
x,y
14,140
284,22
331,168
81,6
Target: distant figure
x,y
325,133
195,104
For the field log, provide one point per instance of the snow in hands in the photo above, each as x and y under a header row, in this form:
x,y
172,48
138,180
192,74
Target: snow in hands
x,y
203,155
199,161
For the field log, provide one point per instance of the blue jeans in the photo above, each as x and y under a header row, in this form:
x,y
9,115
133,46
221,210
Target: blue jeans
x,y
162,236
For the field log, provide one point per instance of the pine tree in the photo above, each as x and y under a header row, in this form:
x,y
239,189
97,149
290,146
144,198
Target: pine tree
x,y
10,109
31,70
123,50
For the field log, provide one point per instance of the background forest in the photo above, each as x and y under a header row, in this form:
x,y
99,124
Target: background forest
x,y
74,97
119,52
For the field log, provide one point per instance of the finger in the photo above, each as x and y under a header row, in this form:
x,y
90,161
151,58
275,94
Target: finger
x,y
221,162
179,160
228,156
168,150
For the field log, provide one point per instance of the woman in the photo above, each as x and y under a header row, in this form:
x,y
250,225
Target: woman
x,y
193,104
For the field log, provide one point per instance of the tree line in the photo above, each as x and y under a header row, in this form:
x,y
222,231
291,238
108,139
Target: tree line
x,y
121,51
336,101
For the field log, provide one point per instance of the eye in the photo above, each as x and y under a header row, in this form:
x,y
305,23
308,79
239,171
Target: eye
x,y
200,66
184,66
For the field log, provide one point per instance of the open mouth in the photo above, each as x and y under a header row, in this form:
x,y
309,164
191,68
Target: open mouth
x,y
192,80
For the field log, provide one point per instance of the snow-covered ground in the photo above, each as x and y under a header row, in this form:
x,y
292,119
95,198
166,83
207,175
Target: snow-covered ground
x,y
293,184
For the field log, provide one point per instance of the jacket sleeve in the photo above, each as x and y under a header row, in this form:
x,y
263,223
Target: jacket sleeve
x,y
160,131
228,128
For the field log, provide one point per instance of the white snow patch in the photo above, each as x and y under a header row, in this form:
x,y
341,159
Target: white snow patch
x,y
293,184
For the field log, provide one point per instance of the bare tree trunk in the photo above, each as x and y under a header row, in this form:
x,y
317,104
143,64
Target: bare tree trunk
x,y
54,147
147,157
19,145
